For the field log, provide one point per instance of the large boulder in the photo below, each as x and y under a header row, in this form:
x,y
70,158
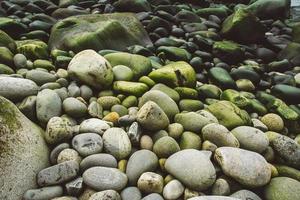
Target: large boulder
x,y
23,152
238,26
114,31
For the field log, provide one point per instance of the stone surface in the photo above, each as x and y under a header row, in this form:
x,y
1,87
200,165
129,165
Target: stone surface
x,y
282,188
87,144
101,159
17,133
106,195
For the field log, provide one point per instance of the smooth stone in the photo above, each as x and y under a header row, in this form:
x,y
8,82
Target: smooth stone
x,y
150,182
131,193
259,125
20,61
273,121
106,195
247,167
67,155
57,174
173,190
153,196
55,152
116,142
74,107
104,178
40,77
58,129
87,143
245,195
108,101
95,110
19,139
190,140
48,105
93,125
130,88
101,159
16,89
193,168
221,187
251,139
122,73
282,188
43,193
196,124
152,117
91,68
219,135
139,162
167,90
213,198
165,147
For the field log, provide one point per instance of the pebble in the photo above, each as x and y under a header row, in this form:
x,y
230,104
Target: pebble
x,y
193,168
74,107
131,193
55,152
245,194
282,188
175,130
58,129
273,121
105,178
173,190
20,61
43,193
165,147
153,196
116,142
87,144
106,195
146,142
93,125
246,167
150,182
67,155
101,159
75,187
57,174
139,162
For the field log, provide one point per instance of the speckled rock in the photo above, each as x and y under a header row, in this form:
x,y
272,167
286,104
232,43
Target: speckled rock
x,y
106,195
87,143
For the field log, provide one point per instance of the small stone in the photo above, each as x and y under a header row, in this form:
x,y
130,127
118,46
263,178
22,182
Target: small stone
x,y
55,152
258,124
146,142
20,61
245,194
87,144
93,125
134,133
139,162
165,147
282,188
74,107
209,146
58,129
101,159
131,193
116,142
87,193
273,121
74,187
221,187
104,178
122,73
246,167
112,117
95,110
153,196
43,193
190,140
152,117
57,174
106,195
108,101
173,190
67,155
150,182
190,194
175,130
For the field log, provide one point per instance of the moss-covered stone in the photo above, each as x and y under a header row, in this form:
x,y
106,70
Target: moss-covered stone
x,y
44,64
174,53
114,31
6,56
7,41
4,69
12,27
190,105
282,188
175,74
228,51
221,77
169,91
131,88
33,49
190,140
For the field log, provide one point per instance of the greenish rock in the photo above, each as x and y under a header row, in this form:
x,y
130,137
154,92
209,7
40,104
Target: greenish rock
x,y
290,52
12,27
120,109
62,61
167,104
91,68
139,65
251,139
221,77
221,11
152,117
174,53
175,74
66,3
229,115
19,133
108,101
213,197
246,73
130,101
130,88
122,73
269,9
289,94
282,188
114,31
44,64
283,109
186,93
228,51
167,90
6,56
175,130
148,81
165,147
7,41
190,140
40,77
209,91
238,26
33,49
192,121
193,168
20,61
246,167
287,171
235,97
132,6
245,194
95,110
74,107
190,105
4,69
48,105
219,135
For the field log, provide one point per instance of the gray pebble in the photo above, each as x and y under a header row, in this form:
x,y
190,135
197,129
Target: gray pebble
x,y
55,152
74,107
153,196
106,195
131,193
75,187
40,77
87,143
43,193
20,61
101,159
93,125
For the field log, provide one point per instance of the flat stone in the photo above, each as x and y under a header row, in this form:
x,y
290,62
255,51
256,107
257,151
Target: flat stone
x,y
106,195
93,125
131,193
101,159
43,193
87,143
